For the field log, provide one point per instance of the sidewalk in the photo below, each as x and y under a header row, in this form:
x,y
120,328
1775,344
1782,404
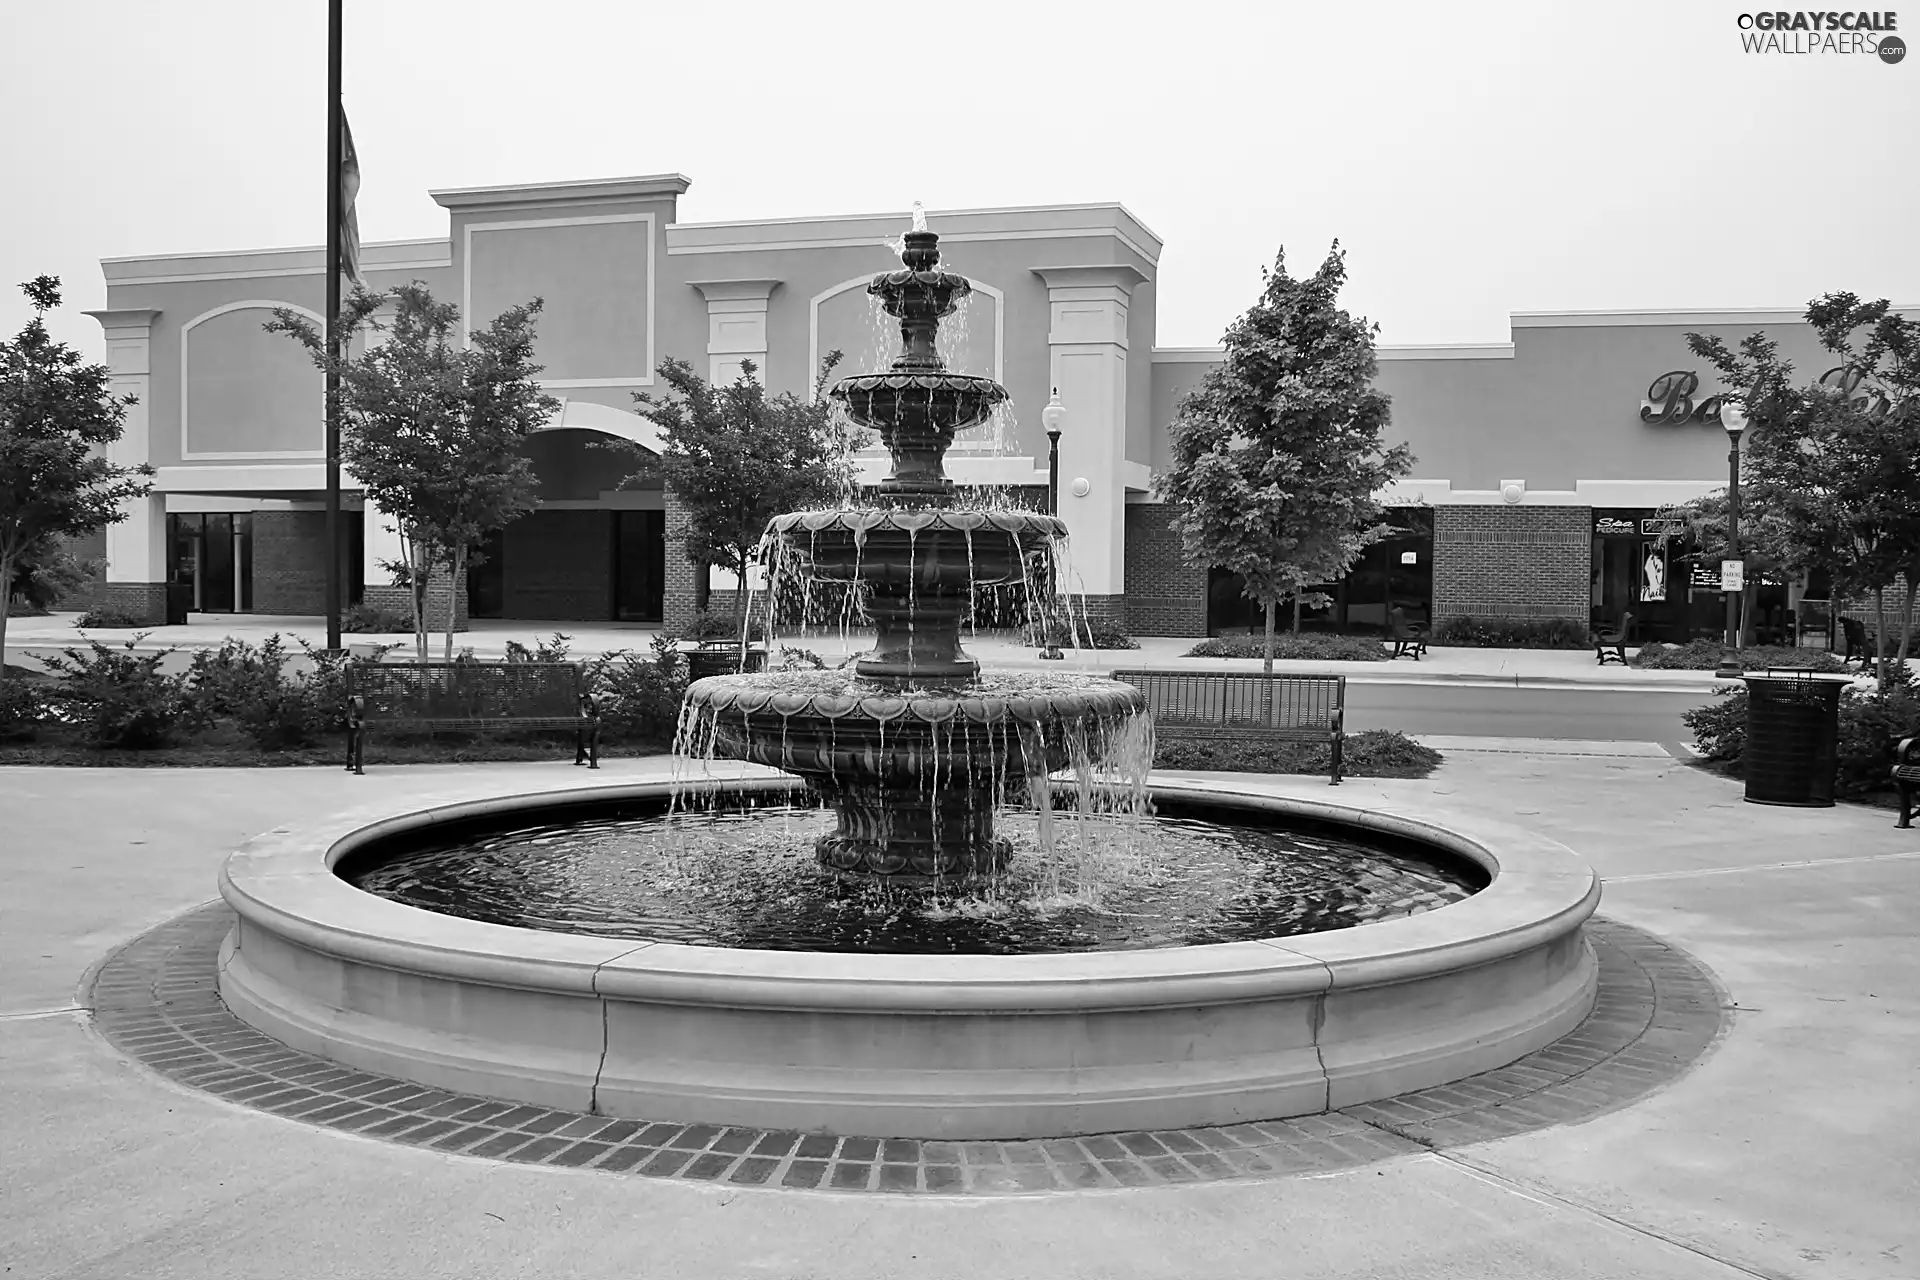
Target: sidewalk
x,y
488,639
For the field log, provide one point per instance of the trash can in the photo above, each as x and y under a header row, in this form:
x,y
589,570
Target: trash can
x,y
1793,728
179,603
722,659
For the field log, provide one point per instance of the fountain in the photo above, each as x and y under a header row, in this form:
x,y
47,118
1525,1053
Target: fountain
x,y
913,750
497,944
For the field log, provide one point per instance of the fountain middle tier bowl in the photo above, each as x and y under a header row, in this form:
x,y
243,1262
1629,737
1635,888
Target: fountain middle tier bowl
x,y
935,549
919,404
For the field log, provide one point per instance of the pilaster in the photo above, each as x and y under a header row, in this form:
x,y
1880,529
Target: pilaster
x,y
1087,364
736,326
136,544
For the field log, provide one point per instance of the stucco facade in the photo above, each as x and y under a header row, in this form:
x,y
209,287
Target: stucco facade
x,y
1518,444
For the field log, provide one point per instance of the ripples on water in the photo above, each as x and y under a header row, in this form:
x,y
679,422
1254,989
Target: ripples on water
x,y
747,878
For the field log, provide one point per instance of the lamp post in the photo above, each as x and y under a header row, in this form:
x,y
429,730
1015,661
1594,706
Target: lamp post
x,y
1733,417
1053,418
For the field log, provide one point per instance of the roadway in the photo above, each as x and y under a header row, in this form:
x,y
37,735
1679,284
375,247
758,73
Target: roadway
x,y
1498,711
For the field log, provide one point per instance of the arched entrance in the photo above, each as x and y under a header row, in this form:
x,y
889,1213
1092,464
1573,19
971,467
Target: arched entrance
x,y
593,551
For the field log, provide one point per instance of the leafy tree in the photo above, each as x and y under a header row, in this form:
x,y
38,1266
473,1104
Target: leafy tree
x,y
736,457
1838,471
432,430
1765,543
1277,457
57,416
46,572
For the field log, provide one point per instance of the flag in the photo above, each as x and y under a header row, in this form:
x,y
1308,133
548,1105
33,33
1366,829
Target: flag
x,y
349,177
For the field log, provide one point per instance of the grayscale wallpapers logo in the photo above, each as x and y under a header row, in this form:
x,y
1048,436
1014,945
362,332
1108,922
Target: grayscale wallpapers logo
x,y
1800,33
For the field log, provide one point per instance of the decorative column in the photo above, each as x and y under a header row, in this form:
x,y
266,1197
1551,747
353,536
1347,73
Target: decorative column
x,y
1087,343
736,326
736,331
136,582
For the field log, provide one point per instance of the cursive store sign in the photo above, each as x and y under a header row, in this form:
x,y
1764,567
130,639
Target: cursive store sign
x,y
1671,400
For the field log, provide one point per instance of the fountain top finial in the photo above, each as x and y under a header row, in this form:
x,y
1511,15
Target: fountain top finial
x,y
919,217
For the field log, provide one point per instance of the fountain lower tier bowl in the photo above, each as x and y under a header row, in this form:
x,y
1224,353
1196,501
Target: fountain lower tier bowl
x,y
915,775
892,1045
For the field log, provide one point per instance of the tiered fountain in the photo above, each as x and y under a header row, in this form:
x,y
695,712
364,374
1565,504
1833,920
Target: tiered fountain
x,y
627,1000
914,750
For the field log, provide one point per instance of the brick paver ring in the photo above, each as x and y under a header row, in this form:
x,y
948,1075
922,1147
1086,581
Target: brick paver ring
x,y
1658,1013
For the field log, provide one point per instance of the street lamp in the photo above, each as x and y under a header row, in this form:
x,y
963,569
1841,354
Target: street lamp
x,y
1053,418
1733,416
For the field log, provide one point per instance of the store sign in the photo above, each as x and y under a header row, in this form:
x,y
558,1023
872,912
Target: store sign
x,y
1409,557
1613,527
1663,528
1672,400
1705,576
1872,400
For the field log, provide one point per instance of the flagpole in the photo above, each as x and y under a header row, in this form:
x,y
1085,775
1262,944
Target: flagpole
x,y
334,229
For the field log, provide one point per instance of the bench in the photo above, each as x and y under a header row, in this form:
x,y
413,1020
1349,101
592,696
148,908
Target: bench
x,y
1409,638
1246,706
471,696
1616,640
1906,776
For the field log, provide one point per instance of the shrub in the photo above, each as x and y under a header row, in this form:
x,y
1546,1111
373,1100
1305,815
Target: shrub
x,y
373,619
558,649
1511,633
1309,646
793,658
1376,753
639,697
1720,728
1704,655
226,680
121,699
106,617
1078,633
23,707
705,625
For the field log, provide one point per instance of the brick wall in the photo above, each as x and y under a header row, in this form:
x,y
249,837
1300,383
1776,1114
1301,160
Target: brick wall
x,y
678,603
1512,562
144,602
290,562
559,565
1165,595
400,600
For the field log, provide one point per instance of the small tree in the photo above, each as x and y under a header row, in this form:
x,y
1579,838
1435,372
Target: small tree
x,y
1839,472
57,416
1765,543
1276,459
433,430
736,457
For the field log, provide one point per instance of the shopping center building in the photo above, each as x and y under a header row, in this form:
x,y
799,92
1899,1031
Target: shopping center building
x,y
1541,464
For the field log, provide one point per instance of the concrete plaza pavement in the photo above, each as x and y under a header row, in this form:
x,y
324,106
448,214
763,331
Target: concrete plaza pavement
x,y
1792,1150
489,638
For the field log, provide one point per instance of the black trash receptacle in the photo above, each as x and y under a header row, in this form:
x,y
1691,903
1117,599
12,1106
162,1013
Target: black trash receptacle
x,y
722,659
1793,728
179,603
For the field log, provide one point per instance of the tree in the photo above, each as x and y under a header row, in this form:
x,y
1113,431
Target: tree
x,y
1765,543
57,416
432,430
1839,470
1276,459
736,457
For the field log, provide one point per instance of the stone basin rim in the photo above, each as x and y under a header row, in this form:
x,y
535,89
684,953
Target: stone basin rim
x,y
283,883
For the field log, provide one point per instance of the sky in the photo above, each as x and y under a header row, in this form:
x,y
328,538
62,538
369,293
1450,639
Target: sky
x,y
1474,159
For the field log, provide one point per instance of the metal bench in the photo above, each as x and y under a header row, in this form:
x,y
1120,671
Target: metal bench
x,y
1616,640
473,697
1232,705
1906,776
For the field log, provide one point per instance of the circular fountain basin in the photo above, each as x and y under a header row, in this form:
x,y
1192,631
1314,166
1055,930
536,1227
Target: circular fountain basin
x,y
960,1046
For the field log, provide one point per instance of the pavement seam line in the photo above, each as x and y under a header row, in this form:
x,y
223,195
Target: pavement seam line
x,y
1762,866
1516,1186
31,1014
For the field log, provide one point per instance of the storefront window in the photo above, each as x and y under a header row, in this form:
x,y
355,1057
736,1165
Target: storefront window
x,y
1394,573
213,554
